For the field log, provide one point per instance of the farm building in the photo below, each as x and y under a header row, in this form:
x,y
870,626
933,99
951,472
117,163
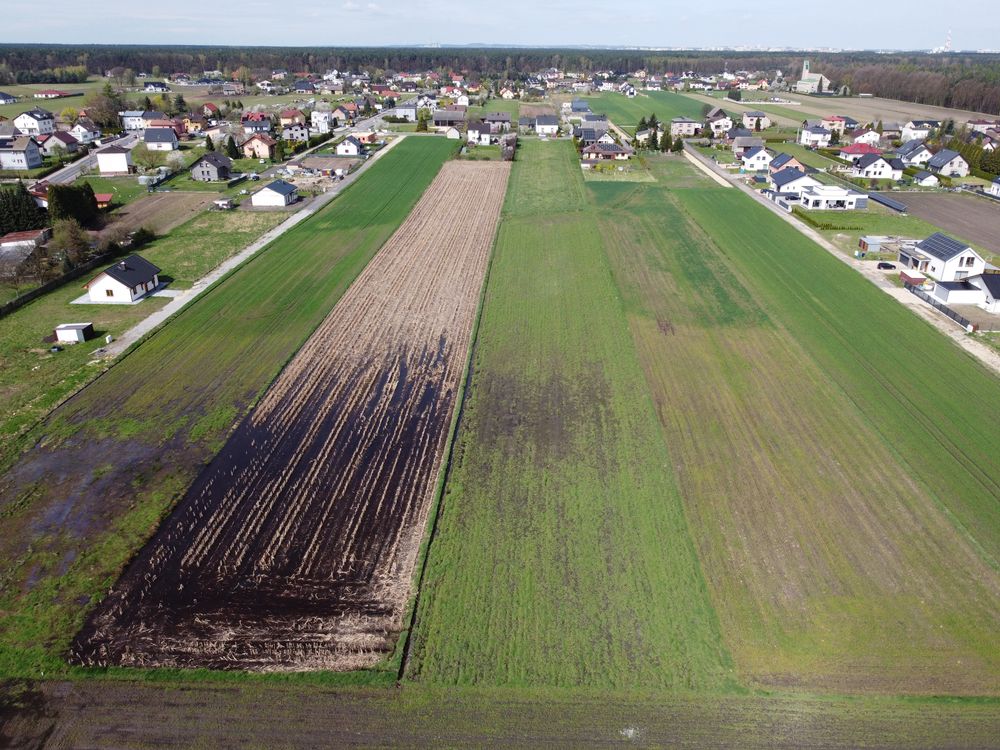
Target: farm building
x,y
831,198
278,193
124,282
113,160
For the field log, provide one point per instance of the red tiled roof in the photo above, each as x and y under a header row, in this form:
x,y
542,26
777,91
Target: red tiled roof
x,y
860,148
31,234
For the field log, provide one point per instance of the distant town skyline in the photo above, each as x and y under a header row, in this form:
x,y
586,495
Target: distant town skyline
x,y
641,23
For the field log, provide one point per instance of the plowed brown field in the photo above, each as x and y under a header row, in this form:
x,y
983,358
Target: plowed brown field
x,y
295,548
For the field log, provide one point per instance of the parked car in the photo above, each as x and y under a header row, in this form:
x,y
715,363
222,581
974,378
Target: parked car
x,y
883,266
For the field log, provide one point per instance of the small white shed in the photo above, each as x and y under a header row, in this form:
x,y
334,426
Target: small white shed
x,y
74,333
278,193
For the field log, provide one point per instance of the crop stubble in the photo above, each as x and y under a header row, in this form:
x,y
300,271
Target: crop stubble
x,y
295,548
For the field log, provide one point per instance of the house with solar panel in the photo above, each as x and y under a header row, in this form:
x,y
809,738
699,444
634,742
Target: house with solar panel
x,y
943,259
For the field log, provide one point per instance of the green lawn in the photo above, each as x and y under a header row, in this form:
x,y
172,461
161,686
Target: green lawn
x,y
562,555
807,156
177,394
125,189
625,112
513,106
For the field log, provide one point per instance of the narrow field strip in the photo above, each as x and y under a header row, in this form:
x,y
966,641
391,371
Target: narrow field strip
x,y
295,549
562,555
144,429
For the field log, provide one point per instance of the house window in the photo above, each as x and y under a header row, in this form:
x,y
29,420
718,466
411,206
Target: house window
x,y
109,292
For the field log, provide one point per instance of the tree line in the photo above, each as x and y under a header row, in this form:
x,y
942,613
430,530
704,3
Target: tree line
x,y
963,80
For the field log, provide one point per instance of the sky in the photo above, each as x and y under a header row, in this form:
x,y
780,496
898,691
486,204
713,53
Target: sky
x,y
654,23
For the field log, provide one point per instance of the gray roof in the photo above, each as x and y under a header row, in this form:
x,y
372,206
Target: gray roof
x,y
992,281
942,157
216,159
159,135
925,123
281,187
5,97
546,120
786,176
38,113
941,246
923,175
910,147
753,151
780,160
113,150
497,117
868,159
818,130
755,113
132,271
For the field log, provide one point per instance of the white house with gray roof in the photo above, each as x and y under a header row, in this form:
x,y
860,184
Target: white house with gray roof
x,y
918,129
160,139
914,153
815,136
943,258
948,163
35,121
278,193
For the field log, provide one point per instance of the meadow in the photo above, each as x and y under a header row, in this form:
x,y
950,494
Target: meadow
x,y
626,113
562,555
145,427
839,490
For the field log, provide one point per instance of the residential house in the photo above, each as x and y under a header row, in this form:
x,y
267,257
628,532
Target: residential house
x,y
914,153
994,188
983,126
233,88
278,193
855,151
791,182
943,258
114,160
595,121
7,98
297,133
834,123
212,167
831,198
756,120
59,141
160,139
158,87
322,121
587,136
756,159
877,167
507,93
918,129
499,122
478,133
259,146
745,143
948,163
815,136
304,87
85,131
452,133
785,161
209,110
132,119
350,146
681,127
606,151
579,107
547,125
21,153
291,117
926,179
256,122
867,137
720,124
35,122
641,136
194,123
124,282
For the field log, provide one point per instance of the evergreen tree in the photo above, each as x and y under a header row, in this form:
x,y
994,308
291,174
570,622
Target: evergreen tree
x,y
209,146
279,151
18,210
641,125
179,104
231,151
147,104
667,142
654,138
879,129
678,146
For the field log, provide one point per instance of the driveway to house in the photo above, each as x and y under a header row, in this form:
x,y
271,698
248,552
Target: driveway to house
x,y
949,328
70,172
156,319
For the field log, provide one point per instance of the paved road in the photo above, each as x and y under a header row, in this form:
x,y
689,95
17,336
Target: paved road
x,y
71,171
159,317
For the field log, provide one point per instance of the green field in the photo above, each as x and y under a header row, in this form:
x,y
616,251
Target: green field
x,y
146,426
839,489
626,113
562,556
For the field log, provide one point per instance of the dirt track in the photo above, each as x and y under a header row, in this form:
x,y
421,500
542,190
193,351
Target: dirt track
x,y
295,548
161,212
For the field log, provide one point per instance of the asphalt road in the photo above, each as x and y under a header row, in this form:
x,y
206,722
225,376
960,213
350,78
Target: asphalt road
x,y
71,171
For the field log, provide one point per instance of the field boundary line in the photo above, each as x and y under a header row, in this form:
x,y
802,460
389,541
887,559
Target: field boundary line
x,y
446,466
707,170
986,356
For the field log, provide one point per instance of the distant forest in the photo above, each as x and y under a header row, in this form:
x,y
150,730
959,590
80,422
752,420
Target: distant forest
x,y
961,80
